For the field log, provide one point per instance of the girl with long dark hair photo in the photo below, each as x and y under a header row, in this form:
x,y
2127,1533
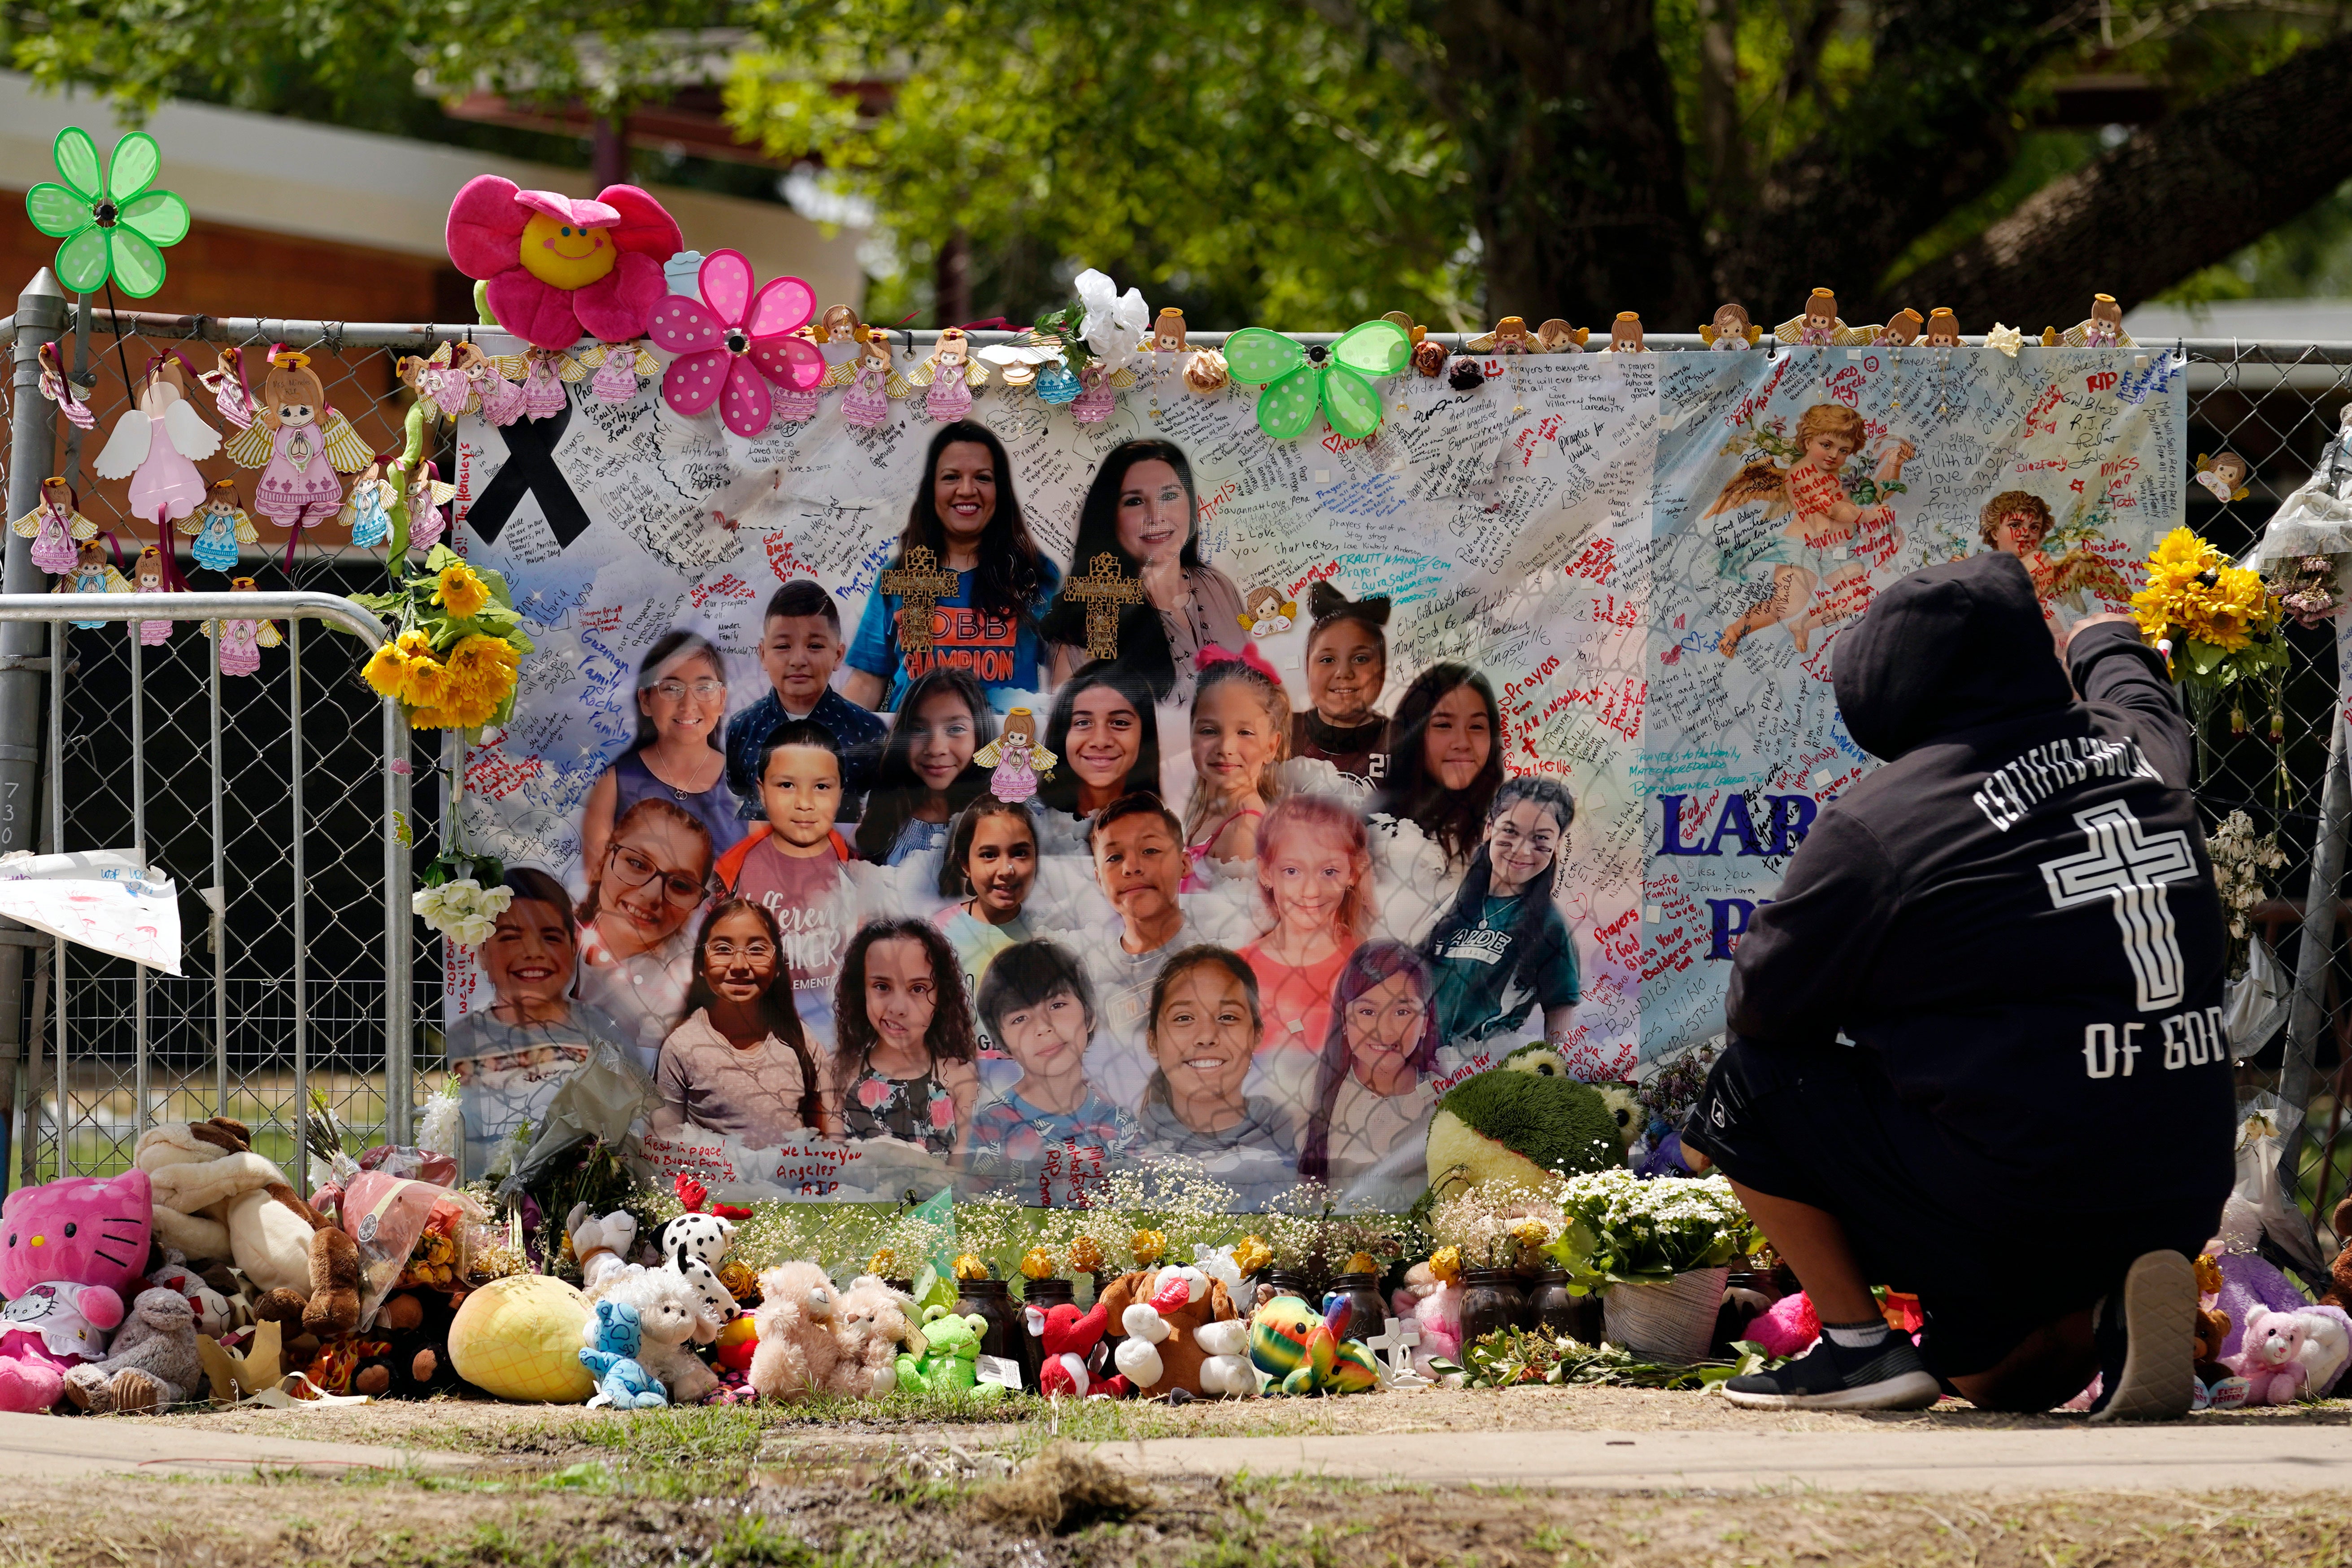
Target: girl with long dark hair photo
x,y
1106,733
903,1038
739,1063
1502,948
1445,758
926,775
1375,1089
676,754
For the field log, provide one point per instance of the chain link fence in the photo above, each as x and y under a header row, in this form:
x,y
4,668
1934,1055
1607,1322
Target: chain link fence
x,y
304,904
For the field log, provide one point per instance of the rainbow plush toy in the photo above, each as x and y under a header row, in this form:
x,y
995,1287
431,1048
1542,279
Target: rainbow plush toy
x,y
1287,1342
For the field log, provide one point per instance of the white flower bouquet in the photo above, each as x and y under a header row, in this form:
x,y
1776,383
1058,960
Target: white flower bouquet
x,y
1622,1230
463,911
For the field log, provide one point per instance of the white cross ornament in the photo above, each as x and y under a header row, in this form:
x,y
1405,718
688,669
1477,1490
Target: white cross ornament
x,y
2129,866
1395,1345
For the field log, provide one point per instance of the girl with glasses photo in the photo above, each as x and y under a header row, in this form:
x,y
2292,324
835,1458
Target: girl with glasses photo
x,y
678,755
637,961
740,1064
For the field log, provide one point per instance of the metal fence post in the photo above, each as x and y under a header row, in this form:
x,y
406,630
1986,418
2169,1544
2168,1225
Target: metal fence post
x,y
2309,1017
32,448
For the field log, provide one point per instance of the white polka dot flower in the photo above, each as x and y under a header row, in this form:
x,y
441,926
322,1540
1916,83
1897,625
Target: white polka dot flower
x,y
734,340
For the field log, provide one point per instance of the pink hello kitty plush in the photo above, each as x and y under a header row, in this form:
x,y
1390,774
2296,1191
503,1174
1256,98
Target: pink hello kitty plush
x,y
70,1252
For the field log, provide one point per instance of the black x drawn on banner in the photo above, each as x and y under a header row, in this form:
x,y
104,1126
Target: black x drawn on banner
x,y
530,467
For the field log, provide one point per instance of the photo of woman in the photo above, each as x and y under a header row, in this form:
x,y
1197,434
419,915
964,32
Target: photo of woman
x,y
990,866
509,1058
926,775
1445,758
677,755
1141,510
1315,892
739,1063
1502,948
1241,725
636,960
1203,1035
968,517
903,1042
1347,666
1376,1085
1106,732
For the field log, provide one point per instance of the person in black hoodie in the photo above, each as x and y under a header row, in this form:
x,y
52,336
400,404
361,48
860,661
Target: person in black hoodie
x,y
1976,1049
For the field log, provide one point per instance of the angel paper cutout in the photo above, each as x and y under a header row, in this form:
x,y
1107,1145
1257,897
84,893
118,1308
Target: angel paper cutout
x,y
871,378
56,527
735,341
1901,330
542,373
219,528
301,444
226,381
157,445
241,641
2223,474
444,378
2102,328
147,577
428,492
1731,332
1510,336
1299,379
58,389
1018,760
368,511
1097,392
92,573
1818,325
951,374
1265,613
619,368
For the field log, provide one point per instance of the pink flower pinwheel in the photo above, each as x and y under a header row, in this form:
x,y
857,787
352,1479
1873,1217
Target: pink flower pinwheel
x,y
553,265
732,342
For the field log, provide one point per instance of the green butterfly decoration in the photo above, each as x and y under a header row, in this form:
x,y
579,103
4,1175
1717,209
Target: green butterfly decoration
x,y
1297,377
112,225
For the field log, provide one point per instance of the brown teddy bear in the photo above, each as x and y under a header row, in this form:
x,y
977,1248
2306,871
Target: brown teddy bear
x,y
2339,1287
332,1306
2212,1323
1148,1299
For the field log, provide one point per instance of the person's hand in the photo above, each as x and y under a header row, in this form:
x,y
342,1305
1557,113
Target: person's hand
x,y
2103,618
1163,582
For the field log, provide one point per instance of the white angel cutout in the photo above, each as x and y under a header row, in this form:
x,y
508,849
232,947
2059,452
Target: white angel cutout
x,y
1116,324
157,445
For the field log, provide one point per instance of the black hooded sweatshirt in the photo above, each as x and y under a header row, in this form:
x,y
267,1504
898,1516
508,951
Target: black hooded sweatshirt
x,y
2015,914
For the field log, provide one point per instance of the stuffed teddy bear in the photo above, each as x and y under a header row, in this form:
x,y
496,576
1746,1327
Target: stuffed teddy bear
x,y
1226,1372
2272,1359
152,1365
209,1308
949,1361
2212,1323
1161,1314
1303,1351
2339,1273
797,1352
1435,1305
609,1356
72,1251
414,1325
601,1245
214,1199
1788,1327
669,1319
870,1326
332,1304
1073,1353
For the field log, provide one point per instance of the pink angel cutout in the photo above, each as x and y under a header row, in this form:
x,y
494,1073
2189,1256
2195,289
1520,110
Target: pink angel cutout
x,y
732,343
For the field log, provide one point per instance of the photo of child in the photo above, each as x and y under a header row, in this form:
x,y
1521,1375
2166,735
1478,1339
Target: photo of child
x,y
1376,1087
1138,858
926,775
1203,1035
903,1042
636,960
1241,727
1105,730
1051,1133
1347,666
1445,758
739,1063
791,865
989,868
1502,948
799,647
509,1058
1314,892
675,756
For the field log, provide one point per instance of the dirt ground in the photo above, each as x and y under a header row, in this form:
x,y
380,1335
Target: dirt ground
x,y
567,1487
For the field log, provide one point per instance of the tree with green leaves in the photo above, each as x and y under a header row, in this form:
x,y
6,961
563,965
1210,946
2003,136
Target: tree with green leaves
x,y
1315,162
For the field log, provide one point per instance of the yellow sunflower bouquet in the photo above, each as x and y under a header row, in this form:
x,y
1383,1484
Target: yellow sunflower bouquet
x,y
2217,626
457,648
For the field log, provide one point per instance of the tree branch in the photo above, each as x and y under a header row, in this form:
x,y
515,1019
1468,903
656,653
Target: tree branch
x,y
2181,194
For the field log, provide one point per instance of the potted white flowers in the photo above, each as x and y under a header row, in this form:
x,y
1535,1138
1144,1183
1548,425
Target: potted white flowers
x,y
1659,1251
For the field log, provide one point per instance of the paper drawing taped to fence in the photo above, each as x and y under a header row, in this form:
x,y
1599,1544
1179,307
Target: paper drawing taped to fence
x,y
923,801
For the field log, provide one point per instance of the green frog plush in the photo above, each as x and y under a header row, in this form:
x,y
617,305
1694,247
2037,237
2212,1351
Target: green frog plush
x,y
948,1363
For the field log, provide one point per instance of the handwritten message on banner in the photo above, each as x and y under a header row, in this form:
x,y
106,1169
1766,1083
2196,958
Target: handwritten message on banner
x,y
1553,661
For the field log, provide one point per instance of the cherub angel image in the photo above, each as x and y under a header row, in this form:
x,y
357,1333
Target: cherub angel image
x,y
2018,522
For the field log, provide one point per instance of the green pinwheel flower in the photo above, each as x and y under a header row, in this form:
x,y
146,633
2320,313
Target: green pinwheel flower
x,y
113,226
1297,377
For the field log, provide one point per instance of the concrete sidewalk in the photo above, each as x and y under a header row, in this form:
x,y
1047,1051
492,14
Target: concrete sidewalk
x,y
2182,1456
63,1448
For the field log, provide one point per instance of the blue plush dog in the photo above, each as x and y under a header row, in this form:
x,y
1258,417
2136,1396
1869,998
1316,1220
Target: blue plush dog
x,y
621,1382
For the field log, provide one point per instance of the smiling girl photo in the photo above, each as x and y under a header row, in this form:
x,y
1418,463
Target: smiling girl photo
x,y
1106,732
926,775
740,1064
990,867
1241,718
904,1048
1347,667
1503,948
1203,1036
1314,889
676,757
1376,1085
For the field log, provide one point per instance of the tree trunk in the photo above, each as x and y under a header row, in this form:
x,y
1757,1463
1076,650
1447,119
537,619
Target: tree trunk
x,y
2181,194
1576,163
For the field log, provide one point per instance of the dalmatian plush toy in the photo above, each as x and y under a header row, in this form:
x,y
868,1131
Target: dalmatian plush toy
x,y
704,1236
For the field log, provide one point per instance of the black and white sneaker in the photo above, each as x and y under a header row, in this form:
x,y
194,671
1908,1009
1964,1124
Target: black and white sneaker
x,y
2146,1332
1886,1377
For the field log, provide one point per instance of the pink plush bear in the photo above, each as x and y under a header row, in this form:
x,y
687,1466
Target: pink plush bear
x,y
2271,1361
1435,1306
1789,1327
69,1252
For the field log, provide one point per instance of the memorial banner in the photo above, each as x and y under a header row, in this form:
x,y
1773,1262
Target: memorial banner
x,y
980,798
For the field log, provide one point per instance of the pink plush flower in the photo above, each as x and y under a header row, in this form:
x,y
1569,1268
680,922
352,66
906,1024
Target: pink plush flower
x,y
873,1094
556,264
733,338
